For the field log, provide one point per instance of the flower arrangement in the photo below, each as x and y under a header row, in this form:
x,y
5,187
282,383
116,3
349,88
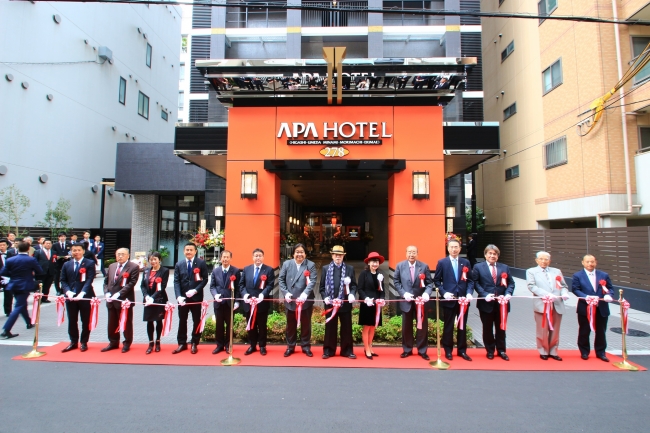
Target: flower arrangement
x,y
451,236
211,239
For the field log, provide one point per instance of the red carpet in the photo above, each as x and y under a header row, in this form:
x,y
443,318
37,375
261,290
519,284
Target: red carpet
x,y
520,360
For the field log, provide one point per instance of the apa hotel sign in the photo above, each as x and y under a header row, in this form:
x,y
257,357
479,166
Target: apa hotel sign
x,y
333,133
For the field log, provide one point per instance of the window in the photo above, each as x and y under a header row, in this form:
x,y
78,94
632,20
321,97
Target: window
x,y
555,153
638,46
552,76
545,8
644,138
149,55
143,105
181,101
122,96
509,49
182,72
164,115
510,111
512,172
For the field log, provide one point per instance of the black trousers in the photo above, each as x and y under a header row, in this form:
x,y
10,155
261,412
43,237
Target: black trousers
x,y
257,335
77,309
222,334
114,310
421,335
493,336
584,332
183,313
57,280
47,283
329,344
8,301
449,317
305,328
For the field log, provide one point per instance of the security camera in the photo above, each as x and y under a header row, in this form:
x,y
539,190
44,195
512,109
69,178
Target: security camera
x,y
505,151
500,35
503,92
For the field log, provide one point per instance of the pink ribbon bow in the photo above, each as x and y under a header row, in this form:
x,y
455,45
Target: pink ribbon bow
x,y
167,321
419,304
35,306
465,271
503,304
379,303
253,315
94,312
123,315
603,285
307,275
464,303
336,304
299,303
548,311
592,303
204,316
626,307
60,309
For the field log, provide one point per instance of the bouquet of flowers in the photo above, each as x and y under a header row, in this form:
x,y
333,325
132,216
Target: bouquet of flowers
x,y
200,239
451,236
215,239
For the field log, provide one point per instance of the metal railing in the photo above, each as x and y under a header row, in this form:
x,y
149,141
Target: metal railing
x,y
349,14
407,19
242,17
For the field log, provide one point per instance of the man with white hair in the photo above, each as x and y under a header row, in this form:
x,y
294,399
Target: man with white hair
x,y
550,290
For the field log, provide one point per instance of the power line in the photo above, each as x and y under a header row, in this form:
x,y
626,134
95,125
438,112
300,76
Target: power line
x,y
49,63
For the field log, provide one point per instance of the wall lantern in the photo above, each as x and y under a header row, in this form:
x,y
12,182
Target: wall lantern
x,y
451,212
249,184
218,211
421,184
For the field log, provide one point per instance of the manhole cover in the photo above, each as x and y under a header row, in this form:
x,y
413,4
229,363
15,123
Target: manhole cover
x,y
631,332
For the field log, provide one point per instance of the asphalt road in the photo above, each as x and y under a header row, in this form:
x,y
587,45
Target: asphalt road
x,y
68,397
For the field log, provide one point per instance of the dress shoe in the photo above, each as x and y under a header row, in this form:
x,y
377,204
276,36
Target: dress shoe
x,y
179,349
46,301
126,348
250,350
150,348
352,356
30,326
325,356
368,356
585,357
449,356
228,350
405,354
83,347
72,346
194,349
308,352
465,356
489,355
7,335
109,347
263,351
288,352
555,357
373,354
217,350
603,358
544,357
157,349
504,356
425,356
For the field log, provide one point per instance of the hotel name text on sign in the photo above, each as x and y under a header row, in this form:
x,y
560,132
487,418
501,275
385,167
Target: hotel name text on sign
x,y
334,133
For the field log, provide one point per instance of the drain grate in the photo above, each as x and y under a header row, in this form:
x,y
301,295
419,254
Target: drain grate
x,y
631,332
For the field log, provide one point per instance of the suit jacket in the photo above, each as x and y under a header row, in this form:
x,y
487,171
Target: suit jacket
x,y
158,297
111,286
366,286
248,287
404,284
292,280
581,287
471,249
60,252
71,280
541,286
484,285
48,265
217,285
97,249
349,272
10,253
184,282
447,282
21,270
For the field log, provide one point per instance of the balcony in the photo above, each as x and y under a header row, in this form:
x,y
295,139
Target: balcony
x,y
348,14
242,17
411,19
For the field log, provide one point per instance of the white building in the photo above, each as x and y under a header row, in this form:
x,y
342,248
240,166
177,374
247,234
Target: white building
x,y
65,101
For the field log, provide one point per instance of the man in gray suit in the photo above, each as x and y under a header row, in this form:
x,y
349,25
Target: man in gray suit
x,y
294,285
544,280
409,275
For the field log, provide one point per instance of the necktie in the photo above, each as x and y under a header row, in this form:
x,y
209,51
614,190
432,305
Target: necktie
x,y
412,273
225,276
47,254
62,247
454,264
117,274
76,266
189,268
494,273
257,272
548,280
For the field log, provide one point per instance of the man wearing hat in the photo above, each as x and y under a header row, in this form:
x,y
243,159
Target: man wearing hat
x,y
337,281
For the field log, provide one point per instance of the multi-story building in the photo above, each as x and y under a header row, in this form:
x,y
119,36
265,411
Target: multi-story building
x,y
76,79
540,78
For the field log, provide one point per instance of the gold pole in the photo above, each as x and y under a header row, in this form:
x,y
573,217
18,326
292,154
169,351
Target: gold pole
x,y
439,363
623,365
230,360
34,352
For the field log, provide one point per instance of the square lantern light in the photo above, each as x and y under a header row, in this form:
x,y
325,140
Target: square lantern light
x,y
451,212
218,211
249,184
420,184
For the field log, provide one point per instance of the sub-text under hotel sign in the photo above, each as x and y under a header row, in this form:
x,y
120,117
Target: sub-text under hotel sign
x,y
333,133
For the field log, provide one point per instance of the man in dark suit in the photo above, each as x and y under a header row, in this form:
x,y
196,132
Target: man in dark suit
x,y
97,247
294,286
61,250
87,253
408,277
20,270
489,283
190,277
453,280
73,239
334,284
587,284
77,278
119,286
471,250
39,243
6,253
11,239
220,288
47,262
257,281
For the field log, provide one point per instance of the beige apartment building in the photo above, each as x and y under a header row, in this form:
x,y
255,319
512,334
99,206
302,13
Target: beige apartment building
x,y
539,79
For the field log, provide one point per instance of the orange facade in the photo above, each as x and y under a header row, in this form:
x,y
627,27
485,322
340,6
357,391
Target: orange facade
x,y
413,134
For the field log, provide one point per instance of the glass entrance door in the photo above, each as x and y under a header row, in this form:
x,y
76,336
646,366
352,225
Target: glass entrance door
x,y
180,218
167,237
